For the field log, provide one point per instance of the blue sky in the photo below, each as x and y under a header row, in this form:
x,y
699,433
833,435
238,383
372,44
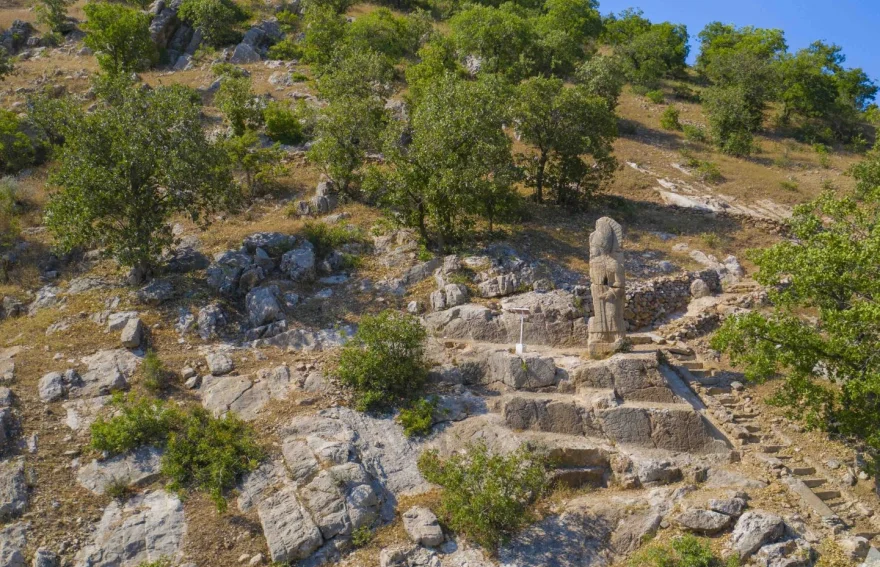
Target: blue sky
x,y
852,24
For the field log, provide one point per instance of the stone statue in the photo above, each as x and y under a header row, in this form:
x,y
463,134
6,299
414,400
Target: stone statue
x,y
607,330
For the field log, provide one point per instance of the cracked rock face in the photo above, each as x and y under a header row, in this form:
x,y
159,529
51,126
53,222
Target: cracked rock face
x,y
13,489
245,395
138,467
147,527
13,542
108,371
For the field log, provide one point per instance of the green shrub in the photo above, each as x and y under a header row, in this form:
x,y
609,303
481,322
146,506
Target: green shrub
x,y
824,157
238,104
282,124
9,224
384,363
655,96
694,133
486,496
216,19
711,240
16,149
228,70
287,50
210,454
418,418
669,119
161,562
683,551
288,21
361,536
139,421
118,489
789,185
155,374
53,14
120,37
201,452
327,237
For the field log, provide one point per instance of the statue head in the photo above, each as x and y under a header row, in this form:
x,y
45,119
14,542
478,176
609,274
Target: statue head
x,y
607,239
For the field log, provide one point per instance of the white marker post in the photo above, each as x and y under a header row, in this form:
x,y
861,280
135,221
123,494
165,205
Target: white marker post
x,y
523,311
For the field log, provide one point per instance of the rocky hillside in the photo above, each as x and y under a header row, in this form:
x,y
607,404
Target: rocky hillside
x,y
247,318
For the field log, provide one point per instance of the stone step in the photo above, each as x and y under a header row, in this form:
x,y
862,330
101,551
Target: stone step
x,y
803,471
827,494
693,365
707,373
809,497
771,448
576,477
637,339
814,482
717,390
753,428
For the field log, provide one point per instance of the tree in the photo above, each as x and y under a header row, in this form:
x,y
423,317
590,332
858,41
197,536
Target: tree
x,y
127,167
565,31
501,38
324,29
237,102
16,148
383,32
563,124
458,164
660,51
357,73
624,27
733,118
822,333
718,41
602,76
215,19
259,166
436,59
347,129
120,37
53,14
384,362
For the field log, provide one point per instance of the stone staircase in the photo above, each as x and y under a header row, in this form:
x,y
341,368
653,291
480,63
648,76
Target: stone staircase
x,y
729,405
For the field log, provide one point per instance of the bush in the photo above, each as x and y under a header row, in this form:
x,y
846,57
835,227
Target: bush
x,y
210,454
694,133
201,452
684,551
53,14
140,421
418,418
16,149
216,19
655,96
385,360
282,124
228,70
120,37
669,119
824,157
237,103
326,237
789,185
486,496
155,373
286,50
289,21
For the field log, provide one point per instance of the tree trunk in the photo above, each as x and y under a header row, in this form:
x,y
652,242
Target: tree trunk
x,y
539,177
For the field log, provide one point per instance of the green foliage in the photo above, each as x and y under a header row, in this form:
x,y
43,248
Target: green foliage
x,y
458,166
137,421
156,375
564,125
655,96
239,105
648,51
16,148
9,224
120,37
52,116
201,452
53,14
669,120
210,454
259,166
286,50
161,562
384,362
228,70
694,133
346,130
684,551
419,417
486,496
436,59
732,119
502,38
827,270
356,73
7,67
120,184
282,123
384,32
361,536
216,19
324,28
789,185
289,21
602,76
328,237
